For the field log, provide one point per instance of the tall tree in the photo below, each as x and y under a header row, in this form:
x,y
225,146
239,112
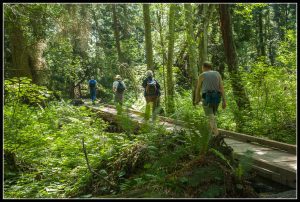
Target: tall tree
x,y
260,31
207,12
39,24
170,82
191,48
239,93
18,43
148,40
117,33
159,15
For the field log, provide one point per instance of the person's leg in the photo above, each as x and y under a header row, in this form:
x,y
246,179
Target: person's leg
x,y
121,99
147,111
154,108
94,95
213,124
209,112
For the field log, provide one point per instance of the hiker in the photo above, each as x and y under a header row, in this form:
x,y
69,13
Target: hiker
x,y
118,88
92,87
152,94
211,85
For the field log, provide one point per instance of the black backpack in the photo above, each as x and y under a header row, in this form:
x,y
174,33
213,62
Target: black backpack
x,y
120,87
151,88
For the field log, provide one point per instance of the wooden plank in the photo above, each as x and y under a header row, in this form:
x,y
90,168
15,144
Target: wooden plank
x,y
268,155
238,136
271,166
274,164
244,147
276,177
247,138
230,141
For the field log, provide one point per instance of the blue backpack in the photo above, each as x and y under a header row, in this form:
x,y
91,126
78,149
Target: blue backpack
x,y
92,83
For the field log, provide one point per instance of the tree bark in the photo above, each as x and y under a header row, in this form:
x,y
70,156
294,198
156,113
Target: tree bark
x,y
191,48
19,50
163,53
203,39
117,34
261,44
170,82
239,93
148,40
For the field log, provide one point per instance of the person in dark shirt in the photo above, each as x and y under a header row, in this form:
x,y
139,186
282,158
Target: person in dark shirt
x,y
118,88
152,94
92,87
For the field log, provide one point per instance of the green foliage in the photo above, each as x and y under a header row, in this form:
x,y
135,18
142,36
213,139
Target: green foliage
x,y
23,90
43,138
274,106
48,148
244,165
221,156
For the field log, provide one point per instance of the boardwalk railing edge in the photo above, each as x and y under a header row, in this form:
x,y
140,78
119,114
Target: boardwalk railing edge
x,y
234,135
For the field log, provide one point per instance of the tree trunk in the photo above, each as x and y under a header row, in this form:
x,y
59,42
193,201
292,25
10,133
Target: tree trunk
x,y
117,34
163,53
147,24
170,83
261,44
126,24
192,67
38,63
19,50
239,93
269,37
203,39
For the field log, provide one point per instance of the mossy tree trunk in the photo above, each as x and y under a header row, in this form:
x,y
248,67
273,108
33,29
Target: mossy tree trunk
x,y
170,82
192,65
148,40
19,47
239,93
117,34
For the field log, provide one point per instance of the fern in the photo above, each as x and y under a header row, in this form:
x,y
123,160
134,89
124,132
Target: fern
x,y
221,156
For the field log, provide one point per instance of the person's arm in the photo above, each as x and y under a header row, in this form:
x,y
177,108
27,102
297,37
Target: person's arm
x,y
144,83
124,85
198,89
114,87
222,92
158,86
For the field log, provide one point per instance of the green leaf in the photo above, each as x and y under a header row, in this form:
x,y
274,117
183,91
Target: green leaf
x,y
122,173
147,165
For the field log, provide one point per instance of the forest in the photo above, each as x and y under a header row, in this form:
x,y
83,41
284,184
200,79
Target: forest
x,y
54,147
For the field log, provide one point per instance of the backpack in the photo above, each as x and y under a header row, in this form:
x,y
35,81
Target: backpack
x,y
151,87
120,87
92,84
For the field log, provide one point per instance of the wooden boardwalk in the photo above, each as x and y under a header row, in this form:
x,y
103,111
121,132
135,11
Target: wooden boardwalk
x,y
273,160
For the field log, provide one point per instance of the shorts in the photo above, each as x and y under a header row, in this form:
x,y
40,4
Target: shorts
x,y
210,108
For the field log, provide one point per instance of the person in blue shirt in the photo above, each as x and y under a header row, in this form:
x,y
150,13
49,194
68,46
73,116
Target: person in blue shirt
x,y
92,87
